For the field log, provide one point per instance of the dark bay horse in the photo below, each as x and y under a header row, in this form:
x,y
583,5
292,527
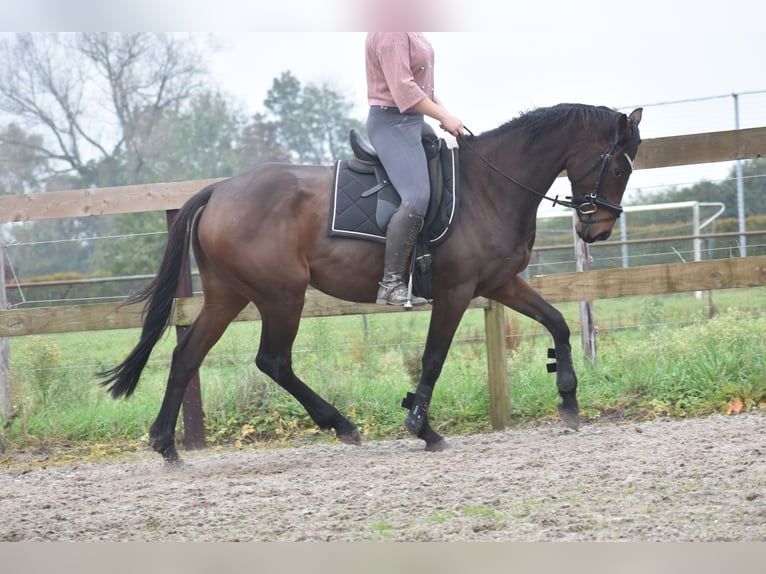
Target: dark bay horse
x,y
261,236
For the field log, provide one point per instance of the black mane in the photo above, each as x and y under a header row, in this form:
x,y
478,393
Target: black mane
x,y
537,121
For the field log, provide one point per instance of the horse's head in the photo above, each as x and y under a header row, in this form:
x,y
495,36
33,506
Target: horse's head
x,y
598,187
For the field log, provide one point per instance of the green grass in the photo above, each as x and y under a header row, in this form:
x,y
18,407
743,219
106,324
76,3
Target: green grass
x,y
659,356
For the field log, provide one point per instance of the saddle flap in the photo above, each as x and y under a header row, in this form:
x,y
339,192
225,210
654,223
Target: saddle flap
x,y
388,202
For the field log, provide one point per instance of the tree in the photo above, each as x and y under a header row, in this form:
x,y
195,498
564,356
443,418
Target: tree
x,y
101,109
206,140
21,167
97,98
109,108
49,247
198,142
135,246
258,143
753,184
312,122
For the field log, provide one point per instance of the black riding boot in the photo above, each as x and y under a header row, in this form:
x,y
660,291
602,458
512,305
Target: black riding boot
x,y
402,231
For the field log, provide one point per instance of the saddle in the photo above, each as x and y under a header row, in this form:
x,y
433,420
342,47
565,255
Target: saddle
x,y
364,199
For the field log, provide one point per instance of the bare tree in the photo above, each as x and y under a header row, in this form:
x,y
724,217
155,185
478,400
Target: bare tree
x,y
97,98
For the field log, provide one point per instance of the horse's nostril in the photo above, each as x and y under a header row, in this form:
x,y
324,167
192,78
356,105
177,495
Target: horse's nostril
x,y
603,236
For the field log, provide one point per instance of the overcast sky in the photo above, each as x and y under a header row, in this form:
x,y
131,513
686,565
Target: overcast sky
x,y
504,57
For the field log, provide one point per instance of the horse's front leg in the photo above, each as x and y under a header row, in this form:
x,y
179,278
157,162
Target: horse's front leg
x,y
445,318
417,421
519,296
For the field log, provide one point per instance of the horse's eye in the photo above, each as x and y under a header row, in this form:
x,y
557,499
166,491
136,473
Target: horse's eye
x,y
618,172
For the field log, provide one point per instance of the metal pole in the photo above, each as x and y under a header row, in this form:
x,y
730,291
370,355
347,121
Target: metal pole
x,y
696,231
697,241
6,401
624,237
587,320
740,187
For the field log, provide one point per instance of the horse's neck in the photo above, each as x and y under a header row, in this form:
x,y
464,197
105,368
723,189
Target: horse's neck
x,y
537,160
520,172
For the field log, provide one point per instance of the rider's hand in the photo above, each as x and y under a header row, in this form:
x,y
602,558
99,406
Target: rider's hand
x,y
453,125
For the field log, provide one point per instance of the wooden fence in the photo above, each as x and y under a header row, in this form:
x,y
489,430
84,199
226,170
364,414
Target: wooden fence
x,y
590,285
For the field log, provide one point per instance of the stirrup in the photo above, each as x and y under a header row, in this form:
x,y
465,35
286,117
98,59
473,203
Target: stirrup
x,y
399,295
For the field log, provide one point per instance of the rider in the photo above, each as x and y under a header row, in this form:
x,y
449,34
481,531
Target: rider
x,y
400,92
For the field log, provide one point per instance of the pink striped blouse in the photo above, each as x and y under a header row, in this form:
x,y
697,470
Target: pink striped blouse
x,y
400,69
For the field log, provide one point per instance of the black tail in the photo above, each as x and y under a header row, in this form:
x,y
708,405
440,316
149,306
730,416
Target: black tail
x,y
159,294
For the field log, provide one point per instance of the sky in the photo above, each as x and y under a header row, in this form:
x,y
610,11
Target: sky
x,y
522,57
494,58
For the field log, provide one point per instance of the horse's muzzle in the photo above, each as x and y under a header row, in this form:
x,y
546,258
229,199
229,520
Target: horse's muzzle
x,y
603,236
585,235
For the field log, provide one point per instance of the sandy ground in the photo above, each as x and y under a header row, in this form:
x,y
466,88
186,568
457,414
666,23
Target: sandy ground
x,y
690,480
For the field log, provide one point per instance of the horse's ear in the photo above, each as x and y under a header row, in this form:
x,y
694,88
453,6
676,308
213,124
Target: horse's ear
x,y
626,123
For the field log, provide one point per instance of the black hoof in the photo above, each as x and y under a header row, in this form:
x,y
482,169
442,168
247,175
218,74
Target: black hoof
x,y
350,437
166,447
174,463
171,456
437,446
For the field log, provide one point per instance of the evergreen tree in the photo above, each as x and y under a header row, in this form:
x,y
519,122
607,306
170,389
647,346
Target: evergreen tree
x,y
312,121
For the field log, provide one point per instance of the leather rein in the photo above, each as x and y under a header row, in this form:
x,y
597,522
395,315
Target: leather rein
x,y
586,205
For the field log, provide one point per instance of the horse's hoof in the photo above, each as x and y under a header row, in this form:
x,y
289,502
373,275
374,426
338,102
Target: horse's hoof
x,y
437,446
170,455
570,417
176,463
168,451
354,437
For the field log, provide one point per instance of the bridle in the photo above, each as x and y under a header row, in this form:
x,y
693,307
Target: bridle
x,y
589,203
585,205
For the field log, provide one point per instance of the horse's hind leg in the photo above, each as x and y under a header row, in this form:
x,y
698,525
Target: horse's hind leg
x,y
521,297
279,327
187,357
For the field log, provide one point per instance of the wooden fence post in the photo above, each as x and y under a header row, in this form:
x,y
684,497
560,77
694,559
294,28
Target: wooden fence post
x,y
497,366
193,416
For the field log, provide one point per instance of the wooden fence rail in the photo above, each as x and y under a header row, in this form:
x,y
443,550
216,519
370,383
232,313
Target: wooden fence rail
x,y
557,288
648,280
653,153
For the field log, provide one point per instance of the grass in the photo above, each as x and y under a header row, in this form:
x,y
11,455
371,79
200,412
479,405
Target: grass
x,y
659,356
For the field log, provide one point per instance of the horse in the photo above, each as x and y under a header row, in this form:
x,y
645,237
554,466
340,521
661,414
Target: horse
x,y
261,237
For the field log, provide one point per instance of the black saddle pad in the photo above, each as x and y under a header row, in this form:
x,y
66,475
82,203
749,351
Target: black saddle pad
x,y
358,214
352,214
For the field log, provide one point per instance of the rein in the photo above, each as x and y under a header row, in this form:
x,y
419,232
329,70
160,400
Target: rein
x,y
584,206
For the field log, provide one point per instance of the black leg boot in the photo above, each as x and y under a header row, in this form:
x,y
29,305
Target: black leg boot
x,y
401,234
